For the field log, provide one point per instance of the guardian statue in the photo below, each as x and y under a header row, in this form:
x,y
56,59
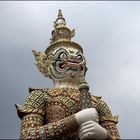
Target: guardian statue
x,y
67,111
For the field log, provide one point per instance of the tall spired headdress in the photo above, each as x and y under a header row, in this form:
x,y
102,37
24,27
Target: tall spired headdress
x,y
61,35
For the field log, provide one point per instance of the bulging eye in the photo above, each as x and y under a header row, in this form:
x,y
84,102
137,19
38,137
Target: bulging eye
x,y
63,55
79,56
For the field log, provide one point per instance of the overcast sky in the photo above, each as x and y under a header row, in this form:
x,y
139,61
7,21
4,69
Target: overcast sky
x,y
109,33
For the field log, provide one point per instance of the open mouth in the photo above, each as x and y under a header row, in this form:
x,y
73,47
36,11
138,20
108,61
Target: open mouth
x,y
72,61
62,66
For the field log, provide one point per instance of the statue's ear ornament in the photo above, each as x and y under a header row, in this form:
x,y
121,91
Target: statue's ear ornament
x,y
42,62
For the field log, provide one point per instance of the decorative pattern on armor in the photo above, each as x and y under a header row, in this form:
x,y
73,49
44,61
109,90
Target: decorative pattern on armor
x,y
61,102
103,109
35,100
106,119
38,126
29,122
32,127
112,129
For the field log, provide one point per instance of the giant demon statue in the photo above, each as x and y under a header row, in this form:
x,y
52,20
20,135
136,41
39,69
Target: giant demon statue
x,y
67,111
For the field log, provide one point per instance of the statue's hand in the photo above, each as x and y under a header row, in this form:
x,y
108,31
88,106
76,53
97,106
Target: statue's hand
x,y
92,130
89,114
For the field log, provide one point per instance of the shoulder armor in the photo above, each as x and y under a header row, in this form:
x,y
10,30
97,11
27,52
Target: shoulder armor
x,y
33,89
34,103
102,108
95,99
104,112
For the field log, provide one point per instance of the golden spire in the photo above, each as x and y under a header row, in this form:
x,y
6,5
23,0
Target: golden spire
x,y
60,21
60,15
61,34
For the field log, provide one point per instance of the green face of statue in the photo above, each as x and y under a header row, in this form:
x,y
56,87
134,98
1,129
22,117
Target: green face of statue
x,y
67,63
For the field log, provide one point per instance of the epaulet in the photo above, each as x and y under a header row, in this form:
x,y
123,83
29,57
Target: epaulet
x,y
29,105
33,89
95,98
21,111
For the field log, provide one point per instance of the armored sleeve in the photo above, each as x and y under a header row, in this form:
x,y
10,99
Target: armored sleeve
x,y
107,120
33,124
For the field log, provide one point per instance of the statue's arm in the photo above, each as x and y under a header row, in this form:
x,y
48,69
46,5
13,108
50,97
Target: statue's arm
x,y
33,123
112,130
32,127
107,120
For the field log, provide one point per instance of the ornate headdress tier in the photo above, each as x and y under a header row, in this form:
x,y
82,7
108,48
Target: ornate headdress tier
x,y
61,35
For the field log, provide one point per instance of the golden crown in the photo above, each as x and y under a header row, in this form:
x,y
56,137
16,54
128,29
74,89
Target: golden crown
x,y
61,35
